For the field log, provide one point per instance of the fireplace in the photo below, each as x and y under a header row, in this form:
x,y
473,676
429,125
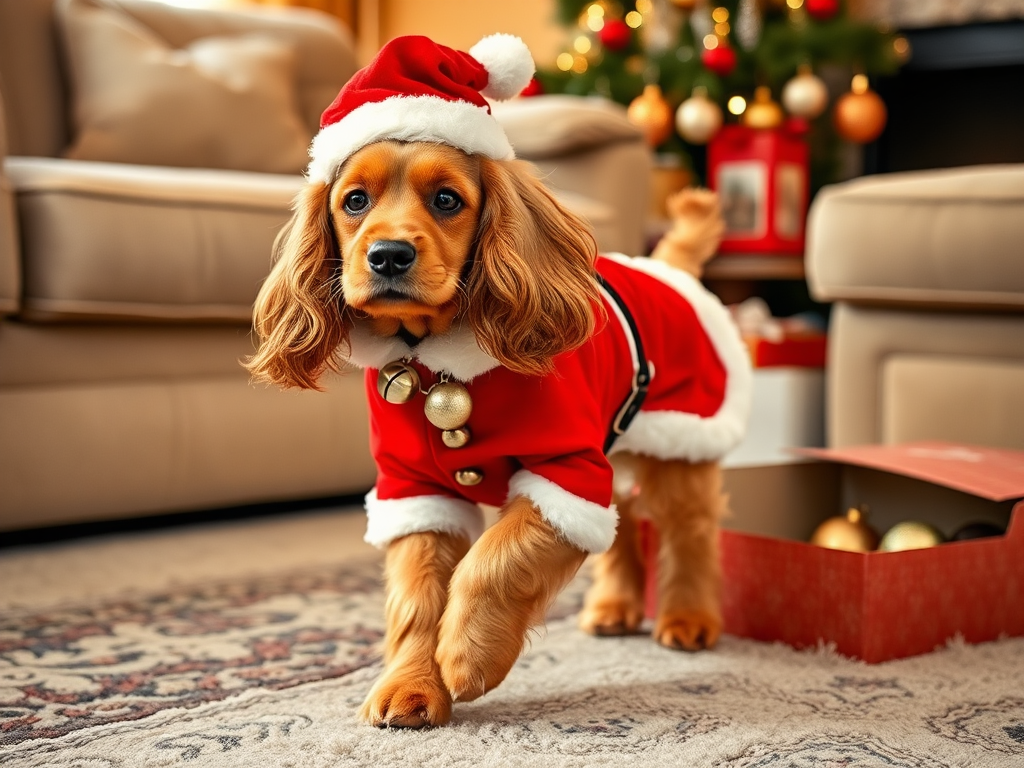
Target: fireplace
x,y
958,101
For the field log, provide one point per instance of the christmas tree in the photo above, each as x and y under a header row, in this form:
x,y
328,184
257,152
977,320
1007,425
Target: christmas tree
x,y
681,65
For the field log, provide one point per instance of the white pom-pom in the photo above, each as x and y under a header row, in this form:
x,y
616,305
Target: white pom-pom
x,y
508,63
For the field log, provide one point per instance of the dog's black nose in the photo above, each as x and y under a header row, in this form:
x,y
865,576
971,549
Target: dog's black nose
x,y
391,257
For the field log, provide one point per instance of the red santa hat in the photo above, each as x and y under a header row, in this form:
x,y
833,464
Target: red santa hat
x,y
418,90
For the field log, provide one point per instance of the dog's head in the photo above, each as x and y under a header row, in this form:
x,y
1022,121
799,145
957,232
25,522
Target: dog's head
x,y
410,238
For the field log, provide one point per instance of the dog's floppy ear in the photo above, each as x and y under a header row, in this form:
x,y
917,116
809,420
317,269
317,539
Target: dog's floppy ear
x,y
531,288
298,312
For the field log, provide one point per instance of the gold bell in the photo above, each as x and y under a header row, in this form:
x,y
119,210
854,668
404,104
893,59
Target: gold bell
x,y
398,382
469,477
448,405
455,438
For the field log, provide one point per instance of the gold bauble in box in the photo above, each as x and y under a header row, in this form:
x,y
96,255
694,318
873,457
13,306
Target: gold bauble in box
x,y
448,405
860,114
763,112
850,533
652,115
398,382
910,535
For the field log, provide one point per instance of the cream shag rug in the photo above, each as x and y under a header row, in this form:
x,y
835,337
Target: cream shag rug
x,y
264,660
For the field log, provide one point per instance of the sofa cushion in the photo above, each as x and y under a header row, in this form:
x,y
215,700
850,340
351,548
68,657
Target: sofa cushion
x,y
107,241
223,101
948,237
10,271
112,241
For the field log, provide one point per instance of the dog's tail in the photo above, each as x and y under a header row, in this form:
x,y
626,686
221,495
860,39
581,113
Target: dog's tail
x,y
696,231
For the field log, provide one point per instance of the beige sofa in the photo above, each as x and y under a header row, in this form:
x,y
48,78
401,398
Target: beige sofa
x,y
926,270
125,288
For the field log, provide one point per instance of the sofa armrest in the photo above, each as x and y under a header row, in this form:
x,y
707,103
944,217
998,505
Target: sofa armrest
x,y
946,238
10,267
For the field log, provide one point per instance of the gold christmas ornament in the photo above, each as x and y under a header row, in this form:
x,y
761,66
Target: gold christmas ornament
x,y
469,477
698,118
448,405
651,114
910,535
398,382
455,438
860,114
850,533
763,112
805,95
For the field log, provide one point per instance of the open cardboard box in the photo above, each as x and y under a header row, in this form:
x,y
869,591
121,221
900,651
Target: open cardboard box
x,y
880,605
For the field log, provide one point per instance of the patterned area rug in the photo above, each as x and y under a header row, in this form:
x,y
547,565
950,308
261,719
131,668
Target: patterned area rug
x,y
270,671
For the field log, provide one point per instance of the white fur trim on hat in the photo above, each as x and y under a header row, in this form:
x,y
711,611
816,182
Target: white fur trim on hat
x,y
677,435
458,124
582,523
508,63
390,519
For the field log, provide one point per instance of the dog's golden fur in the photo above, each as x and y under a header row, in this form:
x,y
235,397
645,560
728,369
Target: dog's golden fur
x,y
519,267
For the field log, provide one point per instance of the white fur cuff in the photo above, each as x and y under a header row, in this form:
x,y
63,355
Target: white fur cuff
x,y
582,523
390,519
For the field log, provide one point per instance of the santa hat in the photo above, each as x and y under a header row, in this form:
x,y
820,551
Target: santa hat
x,y
418,90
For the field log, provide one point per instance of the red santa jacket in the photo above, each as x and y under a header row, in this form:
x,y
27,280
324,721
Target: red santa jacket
x,y
544,436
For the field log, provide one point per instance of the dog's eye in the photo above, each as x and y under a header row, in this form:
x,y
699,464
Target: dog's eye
x,y
447,201
356,201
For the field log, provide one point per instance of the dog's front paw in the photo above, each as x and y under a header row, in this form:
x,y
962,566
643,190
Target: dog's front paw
x,y
405,700
693,630
612,617
468,670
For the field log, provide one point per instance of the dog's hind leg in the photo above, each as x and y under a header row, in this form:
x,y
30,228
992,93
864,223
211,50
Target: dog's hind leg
x,y
614,604
501,589
685,502
410,693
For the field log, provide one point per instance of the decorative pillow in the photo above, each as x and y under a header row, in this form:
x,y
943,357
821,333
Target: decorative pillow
x,y
222,102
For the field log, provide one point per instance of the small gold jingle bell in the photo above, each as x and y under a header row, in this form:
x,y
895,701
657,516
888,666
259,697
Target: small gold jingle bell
x,y
448,405
398,382
455,438
469,477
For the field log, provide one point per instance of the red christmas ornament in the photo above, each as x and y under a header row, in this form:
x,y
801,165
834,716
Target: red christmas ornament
x,y
533,88
720,60
615,34
822,10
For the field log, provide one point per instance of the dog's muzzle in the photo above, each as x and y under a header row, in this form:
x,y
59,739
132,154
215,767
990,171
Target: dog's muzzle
x,y
391,258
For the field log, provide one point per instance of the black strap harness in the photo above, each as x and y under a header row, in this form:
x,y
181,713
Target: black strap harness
x,y
641,368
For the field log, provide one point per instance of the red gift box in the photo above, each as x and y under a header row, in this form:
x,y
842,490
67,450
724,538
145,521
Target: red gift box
x,y
873,606
761,176
803,351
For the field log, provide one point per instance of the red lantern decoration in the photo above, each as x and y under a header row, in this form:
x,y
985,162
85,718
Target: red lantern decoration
x,y
533,88
721,60
761,177
615,34
822,10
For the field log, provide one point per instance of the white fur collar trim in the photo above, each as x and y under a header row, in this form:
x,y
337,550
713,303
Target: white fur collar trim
x,y
456,352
